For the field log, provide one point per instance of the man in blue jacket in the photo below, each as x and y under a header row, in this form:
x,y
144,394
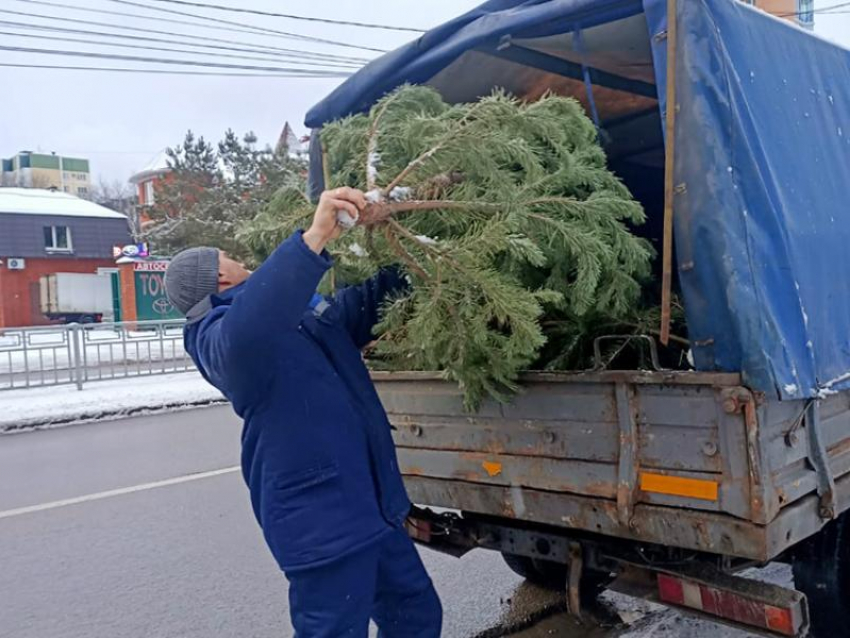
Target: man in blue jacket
x,y
317,453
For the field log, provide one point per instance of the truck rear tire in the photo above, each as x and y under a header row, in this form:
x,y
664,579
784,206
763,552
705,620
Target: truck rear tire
x,y
822,573
551,575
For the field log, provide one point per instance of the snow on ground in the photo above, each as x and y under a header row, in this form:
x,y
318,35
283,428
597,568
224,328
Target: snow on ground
x,y
64,405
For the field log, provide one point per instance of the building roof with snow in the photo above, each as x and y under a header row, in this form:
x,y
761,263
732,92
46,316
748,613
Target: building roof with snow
x,y
159,166
156,167
36,201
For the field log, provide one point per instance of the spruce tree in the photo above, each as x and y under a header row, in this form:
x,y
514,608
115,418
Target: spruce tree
x,y
213,190
505,218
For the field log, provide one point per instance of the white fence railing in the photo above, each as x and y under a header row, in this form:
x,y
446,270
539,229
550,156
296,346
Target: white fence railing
x,y
78,354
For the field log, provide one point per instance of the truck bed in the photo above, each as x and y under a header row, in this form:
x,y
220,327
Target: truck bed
x,y
687,459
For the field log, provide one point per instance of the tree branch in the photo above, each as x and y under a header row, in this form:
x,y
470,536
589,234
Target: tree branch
x,y
380,211
426,247
372,144
405,256
416,163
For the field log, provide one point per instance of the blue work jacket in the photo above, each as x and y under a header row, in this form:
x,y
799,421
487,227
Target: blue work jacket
x,y
317,451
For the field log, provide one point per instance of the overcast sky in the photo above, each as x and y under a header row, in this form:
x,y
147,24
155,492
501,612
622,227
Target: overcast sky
x,y
120,121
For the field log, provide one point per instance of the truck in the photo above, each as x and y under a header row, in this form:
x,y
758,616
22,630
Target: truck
x,y
76,297
732,128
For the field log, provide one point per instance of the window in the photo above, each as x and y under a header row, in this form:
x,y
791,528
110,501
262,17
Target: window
x,y
806,11
82,190
149,199
57,239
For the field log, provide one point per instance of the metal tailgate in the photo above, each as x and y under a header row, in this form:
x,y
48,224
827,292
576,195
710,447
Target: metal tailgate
x,y
608,441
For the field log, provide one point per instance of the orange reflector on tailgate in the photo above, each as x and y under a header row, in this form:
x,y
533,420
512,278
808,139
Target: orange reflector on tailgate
x,y
679,486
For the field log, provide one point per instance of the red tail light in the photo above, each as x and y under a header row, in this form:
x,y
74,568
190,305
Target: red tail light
x,y
419,529
730,605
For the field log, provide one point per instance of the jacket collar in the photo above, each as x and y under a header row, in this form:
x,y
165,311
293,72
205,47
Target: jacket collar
x,y
224,298
318,304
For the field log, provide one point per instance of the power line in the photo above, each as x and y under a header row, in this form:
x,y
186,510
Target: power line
x,y
263,49
161,71
365,25
118,26
319,55
134,58
231,23
53,38
829,8
821,10
250,29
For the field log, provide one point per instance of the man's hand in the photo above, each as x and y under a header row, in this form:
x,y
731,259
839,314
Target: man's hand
x,y
325,226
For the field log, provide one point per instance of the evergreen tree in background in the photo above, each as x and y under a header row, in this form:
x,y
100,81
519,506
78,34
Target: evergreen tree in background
x,y
504,216
212,191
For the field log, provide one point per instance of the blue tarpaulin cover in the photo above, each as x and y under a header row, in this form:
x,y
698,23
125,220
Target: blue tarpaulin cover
x,y
762,214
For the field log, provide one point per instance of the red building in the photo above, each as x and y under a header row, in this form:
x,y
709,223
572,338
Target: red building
x,y
44,232
149,178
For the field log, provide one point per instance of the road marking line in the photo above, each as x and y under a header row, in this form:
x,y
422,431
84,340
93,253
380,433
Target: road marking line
x,y
97,496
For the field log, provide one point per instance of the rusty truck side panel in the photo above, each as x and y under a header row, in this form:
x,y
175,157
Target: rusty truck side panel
x,y
693,460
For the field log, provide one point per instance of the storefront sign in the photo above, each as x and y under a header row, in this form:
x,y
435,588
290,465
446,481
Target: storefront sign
x,y
151,301
131,250
150,266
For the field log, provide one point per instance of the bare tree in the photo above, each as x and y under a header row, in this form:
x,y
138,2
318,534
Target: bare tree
x,y
118,196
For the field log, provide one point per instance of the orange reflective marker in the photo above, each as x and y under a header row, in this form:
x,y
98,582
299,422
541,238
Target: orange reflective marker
x,y
679,486
492,468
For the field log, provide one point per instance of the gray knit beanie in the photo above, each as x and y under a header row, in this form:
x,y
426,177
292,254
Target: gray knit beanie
x,y
191,277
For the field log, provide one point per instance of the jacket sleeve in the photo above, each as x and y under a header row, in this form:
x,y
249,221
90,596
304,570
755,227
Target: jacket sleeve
x,y
276,295
232,346
360,305
204,343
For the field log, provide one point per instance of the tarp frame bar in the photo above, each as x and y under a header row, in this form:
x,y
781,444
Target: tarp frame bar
x,y
588,82
671,107
518,54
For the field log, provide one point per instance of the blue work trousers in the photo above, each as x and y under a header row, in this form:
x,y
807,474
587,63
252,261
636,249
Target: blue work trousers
x,y
385,581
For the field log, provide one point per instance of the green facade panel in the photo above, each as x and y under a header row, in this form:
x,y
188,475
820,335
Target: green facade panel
x,y
42,161
75,165
69,164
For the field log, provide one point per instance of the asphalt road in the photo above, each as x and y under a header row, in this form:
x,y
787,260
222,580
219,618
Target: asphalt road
x,y
93,545
141,528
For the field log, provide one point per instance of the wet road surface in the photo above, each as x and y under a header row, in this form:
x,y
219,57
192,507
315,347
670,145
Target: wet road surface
x,y
141,528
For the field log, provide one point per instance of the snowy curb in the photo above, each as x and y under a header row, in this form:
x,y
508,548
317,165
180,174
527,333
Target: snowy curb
x,y
105,415
56,406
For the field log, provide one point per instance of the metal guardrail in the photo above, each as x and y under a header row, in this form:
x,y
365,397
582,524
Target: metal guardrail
x,y
73,353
